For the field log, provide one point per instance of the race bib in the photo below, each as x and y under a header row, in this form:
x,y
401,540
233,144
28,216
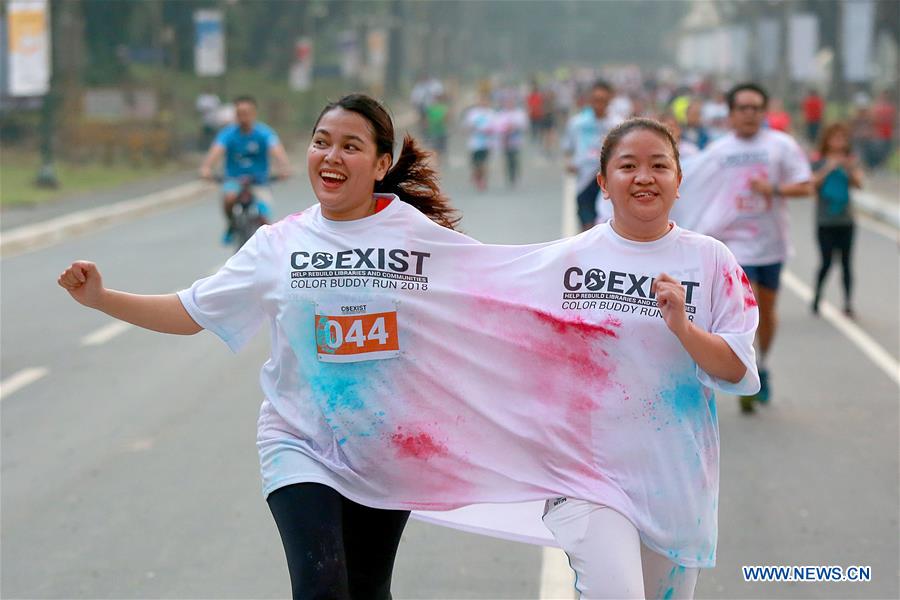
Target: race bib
x,y
750,202
356,332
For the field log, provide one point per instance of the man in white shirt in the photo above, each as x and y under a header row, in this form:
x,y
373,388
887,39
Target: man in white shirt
x,y
582,141
768,167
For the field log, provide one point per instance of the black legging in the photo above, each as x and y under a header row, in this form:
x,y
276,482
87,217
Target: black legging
x,y
831,238
512,165
336,549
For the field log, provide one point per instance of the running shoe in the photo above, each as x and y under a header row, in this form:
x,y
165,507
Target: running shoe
x,y
228,237
747,403
763,394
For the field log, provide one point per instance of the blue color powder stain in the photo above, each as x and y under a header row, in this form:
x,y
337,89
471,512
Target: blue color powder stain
x,y
668,593
346,393
685,398
323,336
338,386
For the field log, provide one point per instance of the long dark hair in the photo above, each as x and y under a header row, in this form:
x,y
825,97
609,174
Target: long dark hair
x,y
828,133
731,95
410,177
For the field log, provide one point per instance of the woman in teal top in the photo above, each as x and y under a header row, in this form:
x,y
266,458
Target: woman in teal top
x,y
834,173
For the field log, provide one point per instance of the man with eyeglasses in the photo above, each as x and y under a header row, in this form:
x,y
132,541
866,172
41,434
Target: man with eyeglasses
x,y
766,168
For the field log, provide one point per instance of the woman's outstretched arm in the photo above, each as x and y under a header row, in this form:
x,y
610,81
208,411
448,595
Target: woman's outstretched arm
x,y
164,313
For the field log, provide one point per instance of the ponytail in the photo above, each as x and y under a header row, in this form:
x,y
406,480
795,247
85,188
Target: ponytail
x,y
411,177
413,180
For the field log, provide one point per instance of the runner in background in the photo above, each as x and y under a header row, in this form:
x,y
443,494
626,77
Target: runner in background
x,y
715,115
769,167
834,173
510,124
778,118
425,92
478,121
437,116
535,103
694,130
581,144
686,148
813,111
884,121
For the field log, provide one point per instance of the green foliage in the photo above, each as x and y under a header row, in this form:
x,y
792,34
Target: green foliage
x,y
291,113
106,29
18,170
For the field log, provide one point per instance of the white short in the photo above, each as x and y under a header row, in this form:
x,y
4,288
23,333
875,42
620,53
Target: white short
x,y
605,551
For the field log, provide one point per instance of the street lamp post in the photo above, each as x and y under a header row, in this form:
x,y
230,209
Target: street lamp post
x,y
46,175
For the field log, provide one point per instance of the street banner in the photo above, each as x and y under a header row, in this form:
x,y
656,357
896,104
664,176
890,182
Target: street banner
x,y
857,39
209,43
300,76
802,47
376,45
348,48
724,61
29,47
768,45
686,52
739,36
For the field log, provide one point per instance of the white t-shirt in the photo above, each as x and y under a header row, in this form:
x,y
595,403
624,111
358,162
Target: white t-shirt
x,y
479,121
758,230
509,127
583,140
413,368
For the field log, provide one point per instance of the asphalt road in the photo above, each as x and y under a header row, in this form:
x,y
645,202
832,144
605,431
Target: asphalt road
x,y
129,465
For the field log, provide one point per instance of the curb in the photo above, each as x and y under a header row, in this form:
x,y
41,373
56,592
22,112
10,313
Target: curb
x,y
47,233
872,205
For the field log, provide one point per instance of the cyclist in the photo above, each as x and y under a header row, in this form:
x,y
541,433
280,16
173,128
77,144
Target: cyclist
x,y
245,146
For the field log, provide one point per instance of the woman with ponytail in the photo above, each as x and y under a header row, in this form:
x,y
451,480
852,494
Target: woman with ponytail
x,y
363,233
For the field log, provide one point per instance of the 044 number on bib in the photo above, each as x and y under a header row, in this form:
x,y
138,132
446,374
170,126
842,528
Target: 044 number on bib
x,y
352,333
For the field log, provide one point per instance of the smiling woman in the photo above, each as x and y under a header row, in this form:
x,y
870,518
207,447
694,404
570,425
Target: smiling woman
x,y
610,547
350,159
335,548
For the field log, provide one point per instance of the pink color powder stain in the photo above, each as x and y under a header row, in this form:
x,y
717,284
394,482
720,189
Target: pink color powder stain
x,y
416,445
749,299
562,326
729,282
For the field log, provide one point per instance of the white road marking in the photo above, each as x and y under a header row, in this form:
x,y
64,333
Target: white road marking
x,y
108,332
557,578
569,207
16,382
878,227
105,333
47,233
878,355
